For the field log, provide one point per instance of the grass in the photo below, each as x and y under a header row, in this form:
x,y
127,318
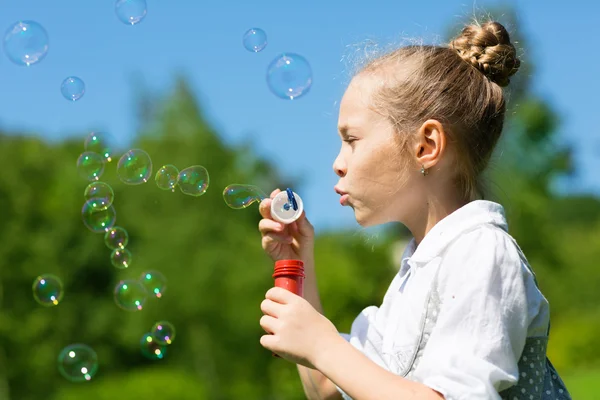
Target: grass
x,y
584,384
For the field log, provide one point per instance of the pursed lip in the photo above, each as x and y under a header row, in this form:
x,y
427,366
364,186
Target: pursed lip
x,y
339,191
344,196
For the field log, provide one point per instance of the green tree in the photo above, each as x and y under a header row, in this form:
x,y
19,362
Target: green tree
x,y
217,273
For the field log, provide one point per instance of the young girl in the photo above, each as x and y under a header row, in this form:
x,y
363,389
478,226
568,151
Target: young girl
x,y
463,318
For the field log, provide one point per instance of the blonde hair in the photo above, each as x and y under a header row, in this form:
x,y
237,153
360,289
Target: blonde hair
x,y
459,85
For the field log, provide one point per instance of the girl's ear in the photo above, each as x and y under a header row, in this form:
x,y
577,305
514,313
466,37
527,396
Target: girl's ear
x,y
430,143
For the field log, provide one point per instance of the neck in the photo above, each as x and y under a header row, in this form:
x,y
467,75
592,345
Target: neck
x,y
433,211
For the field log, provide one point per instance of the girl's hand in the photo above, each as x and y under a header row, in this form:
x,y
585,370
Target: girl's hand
x,y
284,242
296,331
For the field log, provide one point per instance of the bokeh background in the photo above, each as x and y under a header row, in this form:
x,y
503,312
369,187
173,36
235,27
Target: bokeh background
x,y
181,86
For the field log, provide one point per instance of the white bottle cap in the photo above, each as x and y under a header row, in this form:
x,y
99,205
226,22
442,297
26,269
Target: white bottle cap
x,y
278,209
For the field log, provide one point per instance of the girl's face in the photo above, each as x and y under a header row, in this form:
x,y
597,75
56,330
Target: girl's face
x,y
376,179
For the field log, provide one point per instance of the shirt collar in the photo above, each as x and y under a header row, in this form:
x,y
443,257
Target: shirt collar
x,y
405,261
469,216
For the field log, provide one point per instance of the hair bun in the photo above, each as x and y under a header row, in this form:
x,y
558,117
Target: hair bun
x,y
488,48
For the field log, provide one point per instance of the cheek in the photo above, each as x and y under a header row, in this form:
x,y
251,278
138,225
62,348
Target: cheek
x,y
387,181
364,162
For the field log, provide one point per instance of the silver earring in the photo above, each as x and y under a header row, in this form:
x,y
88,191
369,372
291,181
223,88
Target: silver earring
x,y
423,170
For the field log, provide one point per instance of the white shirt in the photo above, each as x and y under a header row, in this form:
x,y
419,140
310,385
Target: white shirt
x,y
489,305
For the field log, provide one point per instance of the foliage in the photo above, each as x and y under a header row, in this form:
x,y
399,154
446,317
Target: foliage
x,y
217,273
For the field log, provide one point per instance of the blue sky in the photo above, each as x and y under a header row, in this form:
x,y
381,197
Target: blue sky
x,y
203,40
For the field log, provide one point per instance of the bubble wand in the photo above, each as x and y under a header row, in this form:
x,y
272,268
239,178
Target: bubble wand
x,y
286,207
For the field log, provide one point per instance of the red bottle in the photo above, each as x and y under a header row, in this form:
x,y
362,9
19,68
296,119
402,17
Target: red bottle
x,y
289,274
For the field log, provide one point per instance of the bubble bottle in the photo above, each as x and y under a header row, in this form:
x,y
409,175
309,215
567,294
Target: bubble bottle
x,y
288,274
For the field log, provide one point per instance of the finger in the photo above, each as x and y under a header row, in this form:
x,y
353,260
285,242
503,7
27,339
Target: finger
x,y
269,307
265,208
265,205
268,225
269,324
280,295
272,239
303,226
269,342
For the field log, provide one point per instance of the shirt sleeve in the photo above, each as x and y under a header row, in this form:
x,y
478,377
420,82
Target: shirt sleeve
x,y
474,347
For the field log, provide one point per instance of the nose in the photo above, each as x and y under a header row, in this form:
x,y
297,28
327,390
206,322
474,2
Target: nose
x,y
339,166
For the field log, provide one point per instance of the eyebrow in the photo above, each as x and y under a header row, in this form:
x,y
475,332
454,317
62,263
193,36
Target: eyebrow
x,y
343,131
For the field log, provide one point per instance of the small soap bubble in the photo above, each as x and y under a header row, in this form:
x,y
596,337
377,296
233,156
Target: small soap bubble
x,y
238,196
289,76
163,332
116,238
48,290
131,12
135,167
154,282
72,88
100,194
100,143
120,258
255,40
151,348
96,219
194,180
78,363
167,177
26,43
90,166
130,295
98,204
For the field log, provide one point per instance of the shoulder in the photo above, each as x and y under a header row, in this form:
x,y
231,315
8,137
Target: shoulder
x,y
483,254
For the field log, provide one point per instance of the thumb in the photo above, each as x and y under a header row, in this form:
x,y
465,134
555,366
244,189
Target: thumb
x,y
303,226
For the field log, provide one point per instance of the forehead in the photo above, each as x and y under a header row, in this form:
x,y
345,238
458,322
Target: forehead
x,y
356,107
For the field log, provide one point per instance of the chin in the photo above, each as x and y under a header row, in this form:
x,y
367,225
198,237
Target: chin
x,y
365,220
369,218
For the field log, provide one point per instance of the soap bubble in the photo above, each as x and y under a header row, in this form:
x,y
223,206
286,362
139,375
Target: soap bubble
x,y
116,238
120,258
96,219
100,143
154,282
194,180
289,76
167,177
100,194
238,196
90,166
26,43
255,40
48,290
151,348
98,204
131,12
163,332
78,363
130,295
72,88
135,167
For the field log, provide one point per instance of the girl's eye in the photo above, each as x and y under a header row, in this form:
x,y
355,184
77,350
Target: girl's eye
x,y
349,140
